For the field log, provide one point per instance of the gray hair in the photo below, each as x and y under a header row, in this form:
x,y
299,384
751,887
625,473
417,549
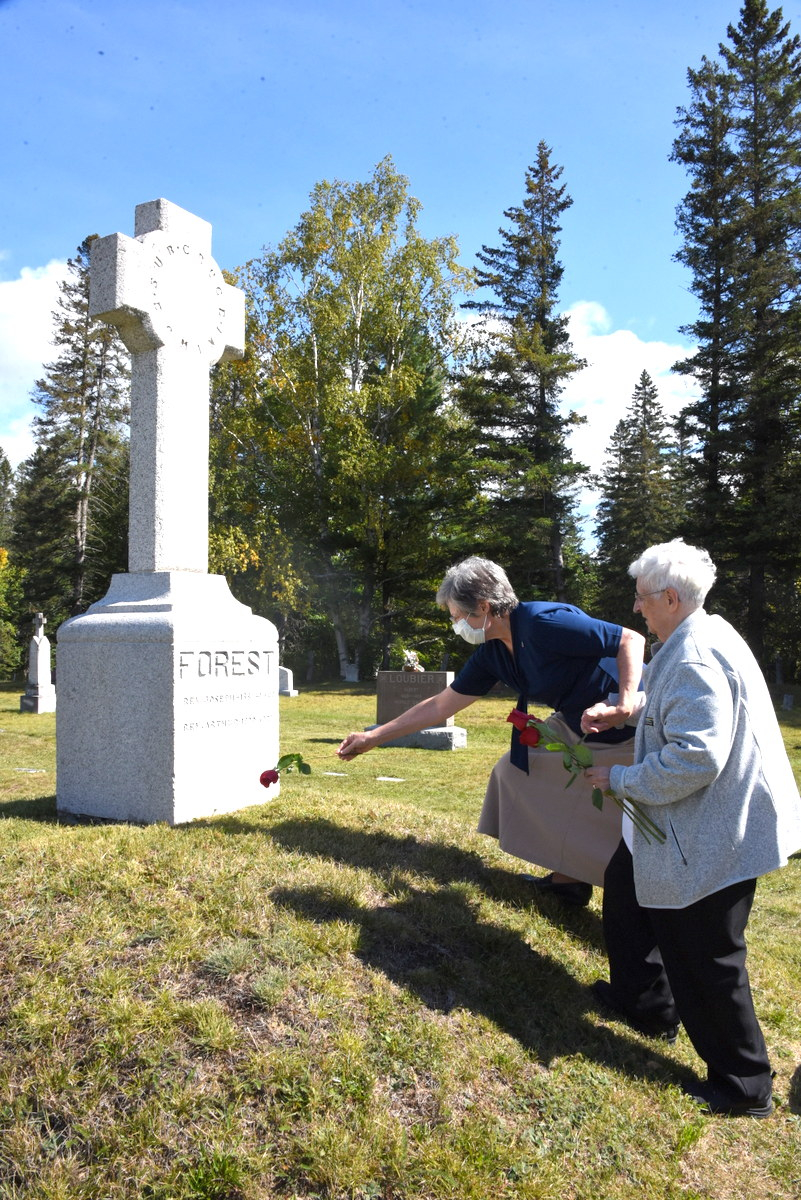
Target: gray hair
x,y
687,569
476,579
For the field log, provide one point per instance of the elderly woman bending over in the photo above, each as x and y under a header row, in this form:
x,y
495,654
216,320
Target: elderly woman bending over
x,y
552,654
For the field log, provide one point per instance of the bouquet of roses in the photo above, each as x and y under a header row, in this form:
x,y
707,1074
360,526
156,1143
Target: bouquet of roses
x,y
287,762
575,758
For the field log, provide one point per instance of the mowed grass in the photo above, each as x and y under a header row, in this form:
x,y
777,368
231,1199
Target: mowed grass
x,y
343,993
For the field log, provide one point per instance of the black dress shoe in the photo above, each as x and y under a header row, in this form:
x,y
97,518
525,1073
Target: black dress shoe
x,y
606,1001
715,1102
577,894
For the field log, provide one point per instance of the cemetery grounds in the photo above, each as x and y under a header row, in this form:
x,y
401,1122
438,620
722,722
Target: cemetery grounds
x,y
344,993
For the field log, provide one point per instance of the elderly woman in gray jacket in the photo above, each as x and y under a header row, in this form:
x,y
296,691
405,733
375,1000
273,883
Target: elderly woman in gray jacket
x,y
711,770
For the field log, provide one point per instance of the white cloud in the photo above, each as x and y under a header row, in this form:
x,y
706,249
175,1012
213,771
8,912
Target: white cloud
x,y
602,391
615,360
26,328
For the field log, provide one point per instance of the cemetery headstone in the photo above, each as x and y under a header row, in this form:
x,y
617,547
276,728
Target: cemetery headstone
x,y
286,684
168,686
40,694
398,690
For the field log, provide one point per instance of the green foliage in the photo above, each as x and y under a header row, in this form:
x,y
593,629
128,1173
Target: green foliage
x,y
337,464
11,608
293,762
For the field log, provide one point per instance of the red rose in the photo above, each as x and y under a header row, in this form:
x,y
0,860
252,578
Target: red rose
x,y
268,777
518,718
529,736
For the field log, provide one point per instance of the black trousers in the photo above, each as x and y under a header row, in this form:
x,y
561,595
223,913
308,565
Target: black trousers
x,y
689,964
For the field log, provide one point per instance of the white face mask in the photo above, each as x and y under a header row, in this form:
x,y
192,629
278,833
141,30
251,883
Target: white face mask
x,y
465,630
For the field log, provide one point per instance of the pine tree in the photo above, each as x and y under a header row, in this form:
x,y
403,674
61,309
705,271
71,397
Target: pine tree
x,y
639,504
6,498
524,356
766,64
706,219
79,430
741,222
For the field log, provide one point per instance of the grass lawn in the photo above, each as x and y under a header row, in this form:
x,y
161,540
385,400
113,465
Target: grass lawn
x,y
343,993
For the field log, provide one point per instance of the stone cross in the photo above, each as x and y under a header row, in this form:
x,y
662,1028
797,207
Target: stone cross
x,y
40,694
178,317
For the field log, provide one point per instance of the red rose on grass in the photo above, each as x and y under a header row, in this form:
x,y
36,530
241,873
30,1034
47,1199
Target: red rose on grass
x,y
287,762
529,736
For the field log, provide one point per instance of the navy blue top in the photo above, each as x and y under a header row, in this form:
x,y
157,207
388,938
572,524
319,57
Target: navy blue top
x,y
562,658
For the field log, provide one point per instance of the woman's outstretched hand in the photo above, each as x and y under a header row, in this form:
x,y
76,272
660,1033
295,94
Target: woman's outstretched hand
x,y
353,745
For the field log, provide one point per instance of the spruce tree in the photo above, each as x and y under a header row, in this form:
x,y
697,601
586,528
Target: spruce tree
x,y
639,503
765,62
741,222
6,499
80,429
512,392
706,220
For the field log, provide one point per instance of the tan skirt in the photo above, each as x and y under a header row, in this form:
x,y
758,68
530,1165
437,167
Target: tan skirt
x,y
536,818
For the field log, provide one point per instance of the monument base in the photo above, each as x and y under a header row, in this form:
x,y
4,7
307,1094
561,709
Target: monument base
x,y
42,701
168,702
439,737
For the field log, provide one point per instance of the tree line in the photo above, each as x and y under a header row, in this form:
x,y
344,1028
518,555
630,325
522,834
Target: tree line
x,y
396,410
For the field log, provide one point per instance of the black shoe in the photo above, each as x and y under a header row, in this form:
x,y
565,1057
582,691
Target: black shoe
x,y
717,1104
577,894
605,1000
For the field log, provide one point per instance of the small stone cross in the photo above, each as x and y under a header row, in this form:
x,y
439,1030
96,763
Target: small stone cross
x,y
39,622
178,317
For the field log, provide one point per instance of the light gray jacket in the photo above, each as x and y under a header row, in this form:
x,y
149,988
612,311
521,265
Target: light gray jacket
x,y
710,765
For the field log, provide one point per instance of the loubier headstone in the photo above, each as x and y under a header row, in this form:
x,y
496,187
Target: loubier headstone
x,y
168,686
398,690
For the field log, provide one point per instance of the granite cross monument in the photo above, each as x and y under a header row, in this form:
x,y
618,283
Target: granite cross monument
x,y
168,686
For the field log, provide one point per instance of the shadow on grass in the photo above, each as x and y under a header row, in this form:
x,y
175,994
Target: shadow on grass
x,y
794,1092
385,854
437,947
39,808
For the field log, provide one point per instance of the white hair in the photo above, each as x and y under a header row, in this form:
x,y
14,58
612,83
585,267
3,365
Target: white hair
x,y
687,569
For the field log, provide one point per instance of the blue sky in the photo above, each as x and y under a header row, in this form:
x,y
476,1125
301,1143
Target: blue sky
x,y
234,110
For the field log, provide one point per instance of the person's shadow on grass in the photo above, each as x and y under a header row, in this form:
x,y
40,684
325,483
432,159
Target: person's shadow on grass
x,y
385,854
441,945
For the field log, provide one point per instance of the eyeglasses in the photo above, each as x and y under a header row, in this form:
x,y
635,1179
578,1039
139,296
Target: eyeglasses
x,y
645,595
